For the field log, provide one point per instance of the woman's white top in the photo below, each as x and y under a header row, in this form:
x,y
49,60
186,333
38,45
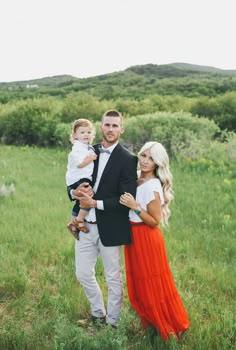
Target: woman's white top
x,y
145,194
76,156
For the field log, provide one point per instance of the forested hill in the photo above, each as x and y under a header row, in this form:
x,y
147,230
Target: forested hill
x,y
57,80
179,70
134,82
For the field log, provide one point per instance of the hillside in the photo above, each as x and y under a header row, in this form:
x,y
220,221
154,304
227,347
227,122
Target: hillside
x,y
163,71
36,105
57,80
179,70
206,69
135,82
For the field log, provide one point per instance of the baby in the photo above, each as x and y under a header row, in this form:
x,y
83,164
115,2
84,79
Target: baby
x,y
79,169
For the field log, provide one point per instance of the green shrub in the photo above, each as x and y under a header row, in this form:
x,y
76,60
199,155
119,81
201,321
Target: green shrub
x,y
62,134
30,122
222,109
79,105
231,147
176,131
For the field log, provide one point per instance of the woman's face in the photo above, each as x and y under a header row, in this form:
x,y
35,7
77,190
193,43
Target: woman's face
x,y
146,162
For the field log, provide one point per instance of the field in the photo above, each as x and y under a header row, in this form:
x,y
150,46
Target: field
x,y
40,299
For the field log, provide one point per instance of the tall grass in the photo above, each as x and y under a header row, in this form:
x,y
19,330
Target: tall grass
x,y
40,298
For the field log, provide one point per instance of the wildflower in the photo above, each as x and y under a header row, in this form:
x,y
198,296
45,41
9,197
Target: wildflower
x,y
11,189
227,182
3,190
6,191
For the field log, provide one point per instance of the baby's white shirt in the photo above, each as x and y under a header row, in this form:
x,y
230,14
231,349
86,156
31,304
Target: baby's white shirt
x,y
76,156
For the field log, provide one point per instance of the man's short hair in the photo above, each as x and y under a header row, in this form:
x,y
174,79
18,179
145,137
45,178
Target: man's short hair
x,y
113,113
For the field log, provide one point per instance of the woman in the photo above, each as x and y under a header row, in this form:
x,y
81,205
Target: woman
x,y
150,283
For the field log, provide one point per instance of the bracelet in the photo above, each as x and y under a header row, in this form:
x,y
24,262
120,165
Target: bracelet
x,y
93,204
138,210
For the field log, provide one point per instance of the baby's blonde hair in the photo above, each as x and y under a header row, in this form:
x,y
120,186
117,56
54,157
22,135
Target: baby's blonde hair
x,y
162,172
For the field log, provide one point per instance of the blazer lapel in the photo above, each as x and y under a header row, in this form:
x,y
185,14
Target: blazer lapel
x,y
110,164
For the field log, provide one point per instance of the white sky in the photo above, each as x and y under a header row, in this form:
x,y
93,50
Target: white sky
x,y
40,38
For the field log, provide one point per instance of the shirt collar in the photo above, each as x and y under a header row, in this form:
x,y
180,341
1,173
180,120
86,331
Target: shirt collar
x,y
111,148
78,143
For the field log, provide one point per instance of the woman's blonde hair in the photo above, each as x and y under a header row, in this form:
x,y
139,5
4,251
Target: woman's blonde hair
x,y
78,123
162,172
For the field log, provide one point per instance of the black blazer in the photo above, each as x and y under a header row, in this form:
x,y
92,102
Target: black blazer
x,y
119,176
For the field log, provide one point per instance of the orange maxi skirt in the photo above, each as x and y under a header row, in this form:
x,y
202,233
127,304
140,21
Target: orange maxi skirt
x,y
151,288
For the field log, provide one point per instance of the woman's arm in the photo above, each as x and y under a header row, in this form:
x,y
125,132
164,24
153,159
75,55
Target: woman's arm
x,y
151,217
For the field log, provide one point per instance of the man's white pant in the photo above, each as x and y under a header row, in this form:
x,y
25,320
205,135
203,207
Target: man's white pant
x,y
87,250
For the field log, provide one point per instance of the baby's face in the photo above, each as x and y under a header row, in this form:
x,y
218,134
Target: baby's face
x,y
83,134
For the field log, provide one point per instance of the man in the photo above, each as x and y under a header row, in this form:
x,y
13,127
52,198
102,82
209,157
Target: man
x,y
108,223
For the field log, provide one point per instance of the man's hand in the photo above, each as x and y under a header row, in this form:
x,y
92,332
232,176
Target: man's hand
x,y
83,188
85,201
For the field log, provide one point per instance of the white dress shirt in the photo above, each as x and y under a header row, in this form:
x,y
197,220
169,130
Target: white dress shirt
x,y
103,159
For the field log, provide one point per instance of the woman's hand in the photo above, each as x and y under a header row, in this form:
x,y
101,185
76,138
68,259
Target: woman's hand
x,y
128,200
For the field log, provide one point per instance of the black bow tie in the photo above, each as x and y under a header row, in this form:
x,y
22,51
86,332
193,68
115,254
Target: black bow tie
x,y
104,150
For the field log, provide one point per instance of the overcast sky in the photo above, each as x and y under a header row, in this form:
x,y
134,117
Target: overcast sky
x,y
40,38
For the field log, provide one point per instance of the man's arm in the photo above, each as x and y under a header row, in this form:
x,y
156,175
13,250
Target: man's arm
x,y
86,200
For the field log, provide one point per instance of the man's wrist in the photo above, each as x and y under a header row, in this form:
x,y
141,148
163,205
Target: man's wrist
x,y
94,204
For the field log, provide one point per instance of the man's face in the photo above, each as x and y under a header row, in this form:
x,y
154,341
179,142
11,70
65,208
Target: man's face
x,y
111,129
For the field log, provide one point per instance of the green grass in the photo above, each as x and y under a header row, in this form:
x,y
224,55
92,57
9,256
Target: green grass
x,y
40,299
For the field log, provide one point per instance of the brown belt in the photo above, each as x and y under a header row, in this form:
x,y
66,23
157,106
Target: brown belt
x,y
91,222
